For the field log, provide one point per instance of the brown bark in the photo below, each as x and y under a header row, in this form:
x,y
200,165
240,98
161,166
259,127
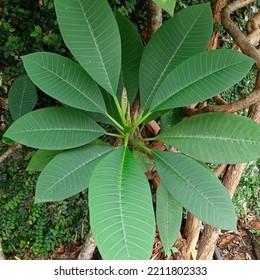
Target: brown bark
x,y
191,232
231,108
154,17
88,248
217,9
9,152
236,33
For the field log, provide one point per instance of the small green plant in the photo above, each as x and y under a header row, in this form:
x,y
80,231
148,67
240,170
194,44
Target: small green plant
x,y
174,70
35,230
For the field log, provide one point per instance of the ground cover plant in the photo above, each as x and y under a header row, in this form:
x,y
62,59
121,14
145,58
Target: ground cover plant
x,y
172,71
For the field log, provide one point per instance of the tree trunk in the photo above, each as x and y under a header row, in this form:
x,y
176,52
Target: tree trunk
x,y
88,248
154,17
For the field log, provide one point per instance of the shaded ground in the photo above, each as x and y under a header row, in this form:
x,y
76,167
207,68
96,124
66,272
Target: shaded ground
x,y
242,245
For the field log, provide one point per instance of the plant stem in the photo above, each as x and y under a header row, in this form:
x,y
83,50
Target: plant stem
x,y
115,135
141,120
147,139
143,147
127,135
120,111
115,122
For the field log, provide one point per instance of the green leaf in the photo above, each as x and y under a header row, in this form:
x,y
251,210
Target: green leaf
x,y
171,118
69,172
90,31
216,138
144,161
196,188
121,210
40,159
169,218
201,77
64,80
22,97
167,5
181,37
54,129
111,106
132,49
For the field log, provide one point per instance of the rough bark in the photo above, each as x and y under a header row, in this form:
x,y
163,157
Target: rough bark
x,y
217,9
231,108
236,33
154,17
88,248
191,232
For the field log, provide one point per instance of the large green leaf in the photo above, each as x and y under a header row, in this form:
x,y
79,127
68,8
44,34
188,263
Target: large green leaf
x,y
196,188
22,97
54,129
132,49
201,77
40,159
90,31
120,205
171,118
69,172
216,138
169,218
186,34
167,5
65,80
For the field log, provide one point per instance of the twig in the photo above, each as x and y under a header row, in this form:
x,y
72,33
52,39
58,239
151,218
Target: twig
x,y
236,33
9,152
231,108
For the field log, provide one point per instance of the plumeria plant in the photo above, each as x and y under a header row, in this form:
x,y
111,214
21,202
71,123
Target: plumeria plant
x,y
111,66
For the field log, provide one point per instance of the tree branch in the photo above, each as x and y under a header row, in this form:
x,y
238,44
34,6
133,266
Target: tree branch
x,y
246,47
231,108
9,152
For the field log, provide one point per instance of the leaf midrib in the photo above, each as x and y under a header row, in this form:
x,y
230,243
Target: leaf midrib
x,y
55,129
96,44
199,79
120,200
22,98
189,183
203,137
71,85
74,170
170,60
